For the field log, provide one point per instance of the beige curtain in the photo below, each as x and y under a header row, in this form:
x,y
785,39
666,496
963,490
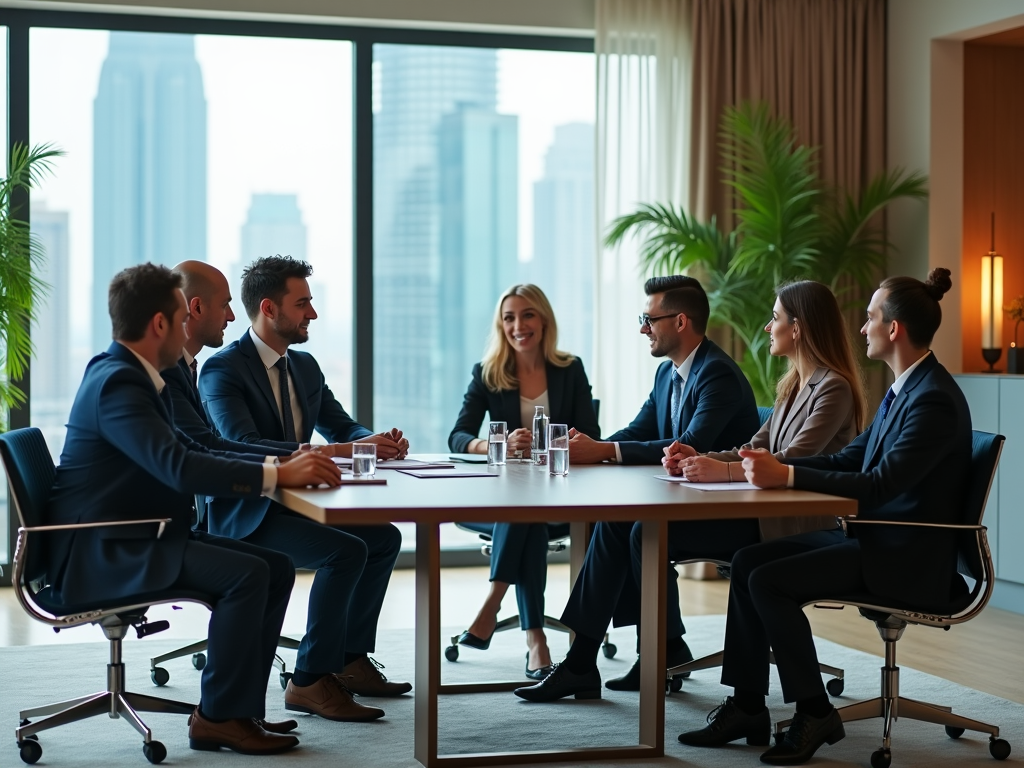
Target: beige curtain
x,y
643,155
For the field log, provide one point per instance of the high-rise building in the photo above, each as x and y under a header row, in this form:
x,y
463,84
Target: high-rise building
x,y
563,235
52,383
418,87
272,226
149,161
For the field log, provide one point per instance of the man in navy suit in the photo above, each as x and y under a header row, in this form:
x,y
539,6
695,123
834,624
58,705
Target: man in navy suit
x,y
912,464
243,388
122,461
700,398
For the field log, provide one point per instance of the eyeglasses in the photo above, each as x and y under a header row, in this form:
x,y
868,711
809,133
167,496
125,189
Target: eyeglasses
x,y
646,320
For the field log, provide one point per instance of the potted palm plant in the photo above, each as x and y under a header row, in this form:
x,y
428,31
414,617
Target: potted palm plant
x,y
790,226
21,257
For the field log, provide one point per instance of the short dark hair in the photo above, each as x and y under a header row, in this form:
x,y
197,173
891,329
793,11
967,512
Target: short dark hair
x,y
683,295
138,293
267,278
916,305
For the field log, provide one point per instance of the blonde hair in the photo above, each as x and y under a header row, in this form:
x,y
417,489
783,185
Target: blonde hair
x,y
499,363
823,338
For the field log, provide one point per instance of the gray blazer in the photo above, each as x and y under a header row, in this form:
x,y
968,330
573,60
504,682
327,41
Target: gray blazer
x,y
820,419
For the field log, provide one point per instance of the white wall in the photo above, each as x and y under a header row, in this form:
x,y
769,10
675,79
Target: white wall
x,y
536,16
925,89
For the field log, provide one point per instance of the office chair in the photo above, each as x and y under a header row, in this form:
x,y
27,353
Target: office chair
x,y
891,617
30,473
674,675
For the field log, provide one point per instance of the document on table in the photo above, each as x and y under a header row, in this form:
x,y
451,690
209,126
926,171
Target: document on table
x,y
433,473
708,486
413,464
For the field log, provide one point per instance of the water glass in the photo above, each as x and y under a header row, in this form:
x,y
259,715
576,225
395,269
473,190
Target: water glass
x,y
364,459
558,449
497,437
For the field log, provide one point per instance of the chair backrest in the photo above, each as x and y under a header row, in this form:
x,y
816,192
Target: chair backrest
x,y
31,473
597,409
764,412
985,451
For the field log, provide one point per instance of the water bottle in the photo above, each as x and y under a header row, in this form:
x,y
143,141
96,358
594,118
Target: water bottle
x,y
539,445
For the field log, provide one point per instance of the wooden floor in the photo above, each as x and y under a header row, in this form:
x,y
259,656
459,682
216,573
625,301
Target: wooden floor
x,y
983,654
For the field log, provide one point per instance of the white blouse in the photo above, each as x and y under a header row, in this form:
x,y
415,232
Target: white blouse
x,y
526,408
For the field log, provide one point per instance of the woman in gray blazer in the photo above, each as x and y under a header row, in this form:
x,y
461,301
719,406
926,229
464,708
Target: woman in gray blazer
x,y
819,403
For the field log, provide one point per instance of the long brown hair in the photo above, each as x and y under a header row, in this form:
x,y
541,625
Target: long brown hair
x,y
499,363
823,338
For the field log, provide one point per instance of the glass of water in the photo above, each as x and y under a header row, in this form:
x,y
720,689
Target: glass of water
x,y
364,459
497,445
558,449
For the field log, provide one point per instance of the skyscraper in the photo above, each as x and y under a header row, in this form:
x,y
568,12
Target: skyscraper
x,y
149,161
418,87
563,235
52,384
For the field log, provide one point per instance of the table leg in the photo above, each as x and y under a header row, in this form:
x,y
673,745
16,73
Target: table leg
x,y
652,635
428,641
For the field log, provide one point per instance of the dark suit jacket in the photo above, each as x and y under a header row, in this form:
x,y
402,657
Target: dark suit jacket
x,y
239,401
191,419
123,460
568,395
914,466
718,410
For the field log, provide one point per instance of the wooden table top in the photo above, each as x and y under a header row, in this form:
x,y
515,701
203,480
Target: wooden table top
x,y
518,491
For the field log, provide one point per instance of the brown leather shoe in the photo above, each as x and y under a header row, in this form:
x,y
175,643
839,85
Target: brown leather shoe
x,y
331,699
282,726
242,735
363,677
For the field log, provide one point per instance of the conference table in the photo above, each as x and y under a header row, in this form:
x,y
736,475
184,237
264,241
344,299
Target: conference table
x,y
522,492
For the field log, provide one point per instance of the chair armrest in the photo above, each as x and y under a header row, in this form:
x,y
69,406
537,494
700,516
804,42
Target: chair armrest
x,y
159,521
848,520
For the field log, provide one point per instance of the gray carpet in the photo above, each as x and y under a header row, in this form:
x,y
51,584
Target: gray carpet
x,y
479,722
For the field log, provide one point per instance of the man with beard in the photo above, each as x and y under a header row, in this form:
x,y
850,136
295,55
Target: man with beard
x,y
259,391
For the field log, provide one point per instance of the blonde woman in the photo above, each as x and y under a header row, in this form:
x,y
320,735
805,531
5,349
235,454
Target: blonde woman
x,y
522,368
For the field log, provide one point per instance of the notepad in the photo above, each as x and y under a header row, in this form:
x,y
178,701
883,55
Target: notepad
x,y
416,464
708,486
431,474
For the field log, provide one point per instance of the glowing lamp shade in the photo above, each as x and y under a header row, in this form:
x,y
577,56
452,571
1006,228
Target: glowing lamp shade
x,y
992,307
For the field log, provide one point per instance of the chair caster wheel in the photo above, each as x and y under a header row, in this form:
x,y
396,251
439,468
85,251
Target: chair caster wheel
x,y
954,733
285,677
835,687
609,650
31,751
881,758
154,751
199,661
999,748
159,676
674,684
452,653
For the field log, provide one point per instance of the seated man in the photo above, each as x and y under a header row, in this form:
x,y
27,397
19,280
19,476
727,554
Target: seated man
x,y
912,464
700,398
123,460
243,388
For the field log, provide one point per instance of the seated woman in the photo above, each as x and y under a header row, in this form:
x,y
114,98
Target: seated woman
x,y
522,368
819,408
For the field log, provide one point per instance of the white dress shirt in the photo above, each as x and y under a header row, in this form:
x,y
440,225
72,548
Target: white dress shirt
x,y
269,358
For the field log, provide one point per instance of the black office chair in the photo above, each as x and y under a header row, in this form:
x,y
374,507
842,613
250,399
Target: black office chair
x,y
31,474
891,617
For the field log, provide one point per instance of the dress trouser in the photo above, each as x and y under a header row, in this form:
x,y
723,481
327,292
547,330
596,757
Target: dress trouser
x,y
771,582
250,587
519,555
353,566
608,586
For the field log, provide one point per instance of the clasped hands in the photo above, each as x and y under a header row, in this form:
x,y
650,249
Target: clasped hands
x,y
760,467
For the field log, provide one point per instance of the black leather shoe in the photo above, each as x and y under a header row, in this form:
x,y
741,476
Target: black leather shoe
x,y
805,735
631,680
562,682
728,723
470,640
540,673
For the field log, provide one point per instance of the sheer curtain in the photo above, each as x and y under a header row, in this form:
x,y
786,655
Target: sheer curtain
x,y
644,56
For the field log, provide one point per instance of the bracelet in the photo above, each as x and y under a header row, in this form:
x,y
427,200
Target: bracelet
x,y
729,465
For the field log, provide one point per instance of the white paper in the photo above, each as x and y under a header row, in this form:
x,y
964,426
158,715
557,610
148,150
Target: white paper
x,y
708,486
413,464
445,473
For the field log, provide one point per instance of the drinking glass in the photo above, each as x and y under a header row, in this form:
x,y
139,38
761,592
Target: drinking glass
x,y
558,449
364,459
497,435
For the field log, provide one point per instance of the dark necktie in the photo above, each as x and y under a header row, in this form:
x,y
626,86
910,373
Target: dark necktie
x,y
286,401
883,409
676,402
194,367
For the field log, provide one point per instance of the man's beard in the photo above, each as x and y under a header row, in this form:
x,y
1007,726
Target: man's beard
x,y
291,334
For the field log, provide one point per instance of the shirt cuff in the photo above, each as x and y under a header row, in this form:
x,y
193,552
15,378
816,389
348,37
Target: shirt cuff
x,y
618,454
269,476
789,483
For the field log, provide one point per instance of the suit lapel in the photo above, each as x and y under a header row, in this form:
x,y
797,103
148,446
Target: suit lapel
x,y
798,407
698,362
298,384
879,431
510,407
663,399
258,371
122,353
556,390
